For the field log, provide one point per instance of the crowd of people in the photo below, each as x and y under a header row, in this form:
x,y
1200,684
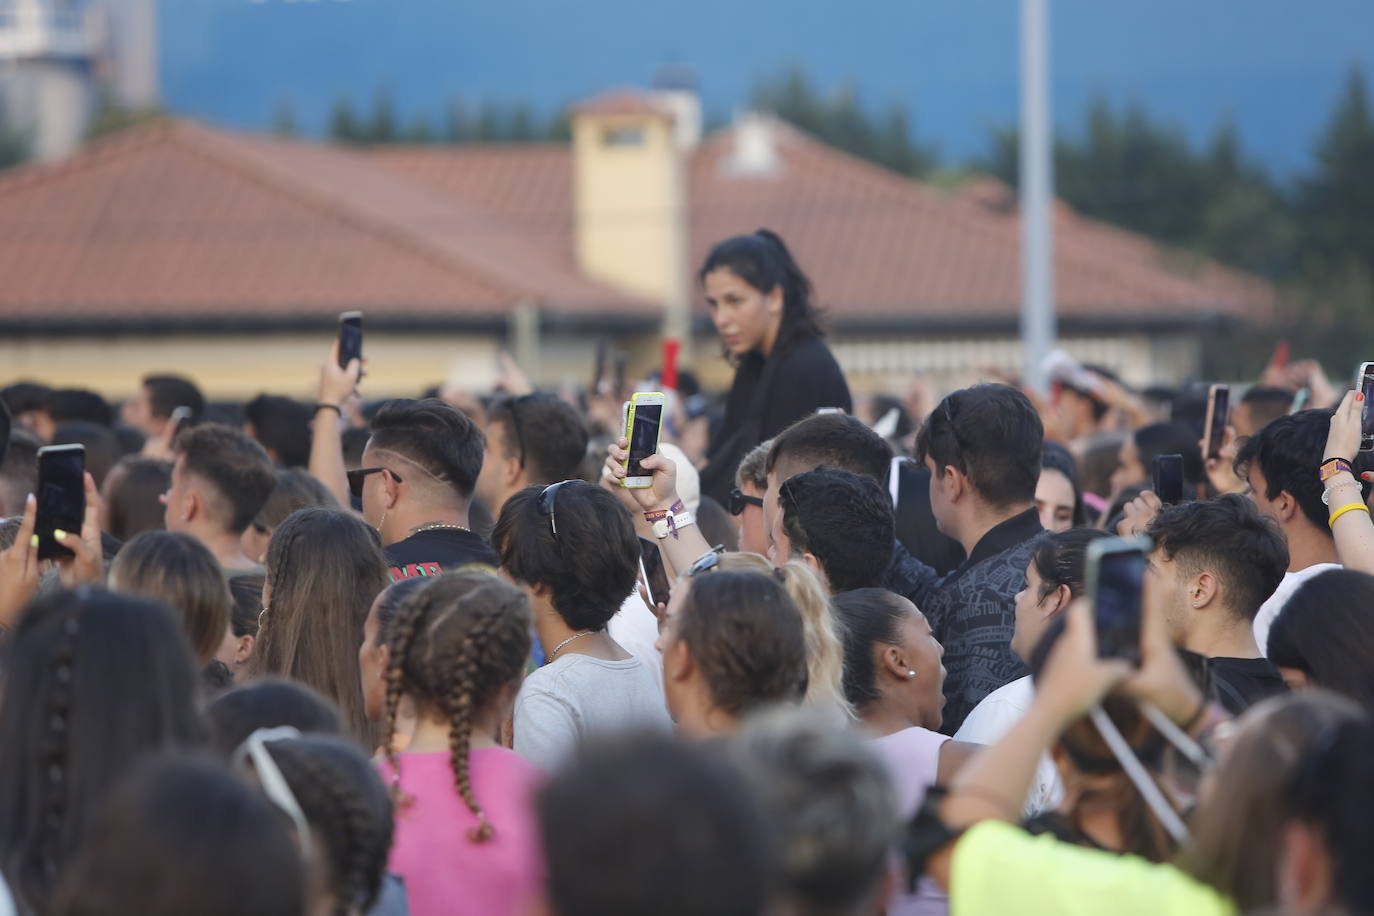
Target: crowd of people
x,y
405,656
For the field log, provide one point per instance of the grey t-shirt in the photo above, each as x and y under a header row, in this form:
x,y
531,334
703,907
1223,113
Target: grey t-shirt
x,y
579,696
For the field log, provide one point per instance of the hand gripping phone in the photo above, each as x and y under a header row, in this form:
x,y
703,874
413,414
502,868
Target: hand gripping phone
x,y
1218,409
643,423
61,497
350,338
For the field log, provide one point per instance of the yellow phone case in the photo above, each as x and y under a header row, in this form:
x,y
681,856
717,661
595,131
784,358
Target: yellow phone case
x,y
629,427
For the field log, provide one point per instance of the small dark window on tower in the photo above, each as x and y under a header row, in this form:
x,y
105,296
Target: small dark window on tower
x,y
624,136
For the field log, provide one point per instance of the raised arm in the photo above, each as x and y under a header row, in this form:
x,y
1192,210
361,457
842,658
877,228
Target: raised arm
x,y
1352,528
326,443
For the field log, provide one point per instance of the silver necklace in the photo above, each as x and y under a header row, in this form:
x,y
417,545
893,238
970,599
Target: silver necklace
x,y
548,660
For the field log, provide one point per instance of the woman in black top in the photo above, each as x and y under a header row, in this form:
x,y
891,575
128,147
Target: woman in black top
x,y
760,303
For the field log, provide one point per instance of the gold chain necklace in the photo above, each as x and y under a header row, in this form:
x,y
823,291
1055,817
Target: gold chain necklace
x,y
438,526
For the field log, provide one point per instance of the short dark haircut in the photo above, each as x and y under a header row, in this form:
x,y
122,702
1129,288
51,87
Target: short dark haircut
x,y
1228,537
1326,630
436,436
1055,457
132,505
745,634
550,431
168,392
234,465
295,489
611,805
185,835
25,397
1171,439
835,440
282,426
101,444
1288,452
270,702
19,471
845,520
868,616
591,564
1267,404
992,434
94,681
79,404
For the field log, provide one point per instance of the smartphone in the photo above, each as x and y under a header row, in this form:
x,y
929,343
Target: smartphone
x,y
1218,410
652,570
61,497
642,427
1168,482
1366,385
350,338
1115,579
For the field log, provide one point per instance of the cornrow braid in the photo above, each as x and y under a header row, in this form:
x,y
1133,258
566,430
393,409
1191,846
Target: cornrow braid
x,y
52,843
456,643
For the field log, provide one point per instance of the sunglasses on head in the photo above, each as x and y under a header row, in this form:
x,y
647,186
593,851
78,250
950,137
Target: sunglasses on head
x,y
548,502
738,502
356,478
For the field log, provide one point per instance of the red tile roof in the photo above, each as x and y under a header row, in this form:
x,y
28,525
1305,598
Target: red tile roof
x,y
622,101
175,219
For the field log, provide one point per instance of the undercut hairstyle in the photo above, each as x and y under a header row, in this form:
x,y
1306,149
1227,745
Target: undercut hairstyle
x,y
1288,453
835,440
992,434
1334,795
550,431
1326,631
824,648
832,807
868,617
94,681
101,445
236,468
132,505
456,643
282,425
168,392
1229,538
295,489
325,567
1062,560
591,564
66,404
19,471
185,834
845,520
753,467
181,572
348,808
436,436
745,634
610,805
762,260
1267,404
269,702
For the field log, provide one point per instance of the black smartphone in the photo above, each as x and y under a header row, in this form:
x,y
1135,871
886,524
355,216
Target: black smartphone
x,y
1168,471
654,572
1218,410
1115,585
61,497
350,338
1367,412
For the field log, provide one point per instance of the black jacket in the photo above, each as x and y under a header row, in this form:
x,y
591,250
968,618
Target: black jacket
x,y
767,396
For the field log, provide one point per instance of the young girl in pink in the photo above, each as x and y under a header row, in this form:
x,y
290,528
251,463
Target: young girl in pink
x,y
466,840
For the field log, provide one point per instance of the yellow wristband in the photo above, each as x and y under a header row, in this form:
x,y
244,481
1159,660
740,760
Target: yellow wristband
x,y
1344,509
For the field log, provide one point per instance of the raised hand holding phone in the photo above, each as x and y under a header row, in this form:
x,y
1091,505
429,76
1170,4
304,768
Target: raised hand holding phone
x,y
1115,580
1218,410
350,338
643,428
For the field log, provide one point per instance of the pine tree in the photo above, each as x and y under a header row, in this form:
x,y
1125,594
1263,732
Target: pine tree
x,y
343,124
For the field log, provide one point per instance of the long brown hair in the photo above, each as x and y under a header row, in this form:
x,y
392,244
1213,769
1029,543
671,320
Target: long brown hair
x,y
324,567
454,645
181,571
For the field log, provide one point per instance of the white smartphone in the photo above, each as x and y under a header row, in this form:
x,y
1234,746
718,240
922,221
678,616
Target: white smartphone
x,y
643,425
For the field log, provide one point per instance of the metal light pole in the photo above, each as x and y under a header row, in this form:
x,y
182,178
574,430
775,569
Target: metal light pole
x,y
1037,181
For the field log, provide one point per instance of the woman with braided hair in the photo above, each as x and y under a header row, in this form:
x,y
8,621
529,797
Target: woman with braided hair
x,y
94,681
466,840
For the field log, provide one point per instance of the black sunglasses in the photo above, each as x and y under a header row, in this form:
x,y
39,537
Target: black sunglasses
x,y
548,501
738,501
357,476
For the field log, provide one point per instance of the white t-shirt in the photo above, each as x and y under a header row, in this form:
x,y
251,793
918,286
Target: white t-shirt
x,y
1270,609
993,717
579,697
635,629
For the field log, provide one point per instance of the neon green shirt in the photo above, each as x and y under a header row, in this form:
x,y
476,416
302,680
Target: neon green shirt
x,y
999,869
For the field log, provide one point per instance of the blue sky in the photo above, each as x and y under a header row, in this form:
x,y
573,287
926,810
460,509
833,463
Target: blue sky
x,y
1273,67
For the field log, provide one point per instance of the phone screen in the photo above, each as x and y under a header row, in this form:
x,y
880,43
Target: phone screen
x,y
1168,471
655,575
350,339
644,437
61,498
1367,412
1218,411
1120,580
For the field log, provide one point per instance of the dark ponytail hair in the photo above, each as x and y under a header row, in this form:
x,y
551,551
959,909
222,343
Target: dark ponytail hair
x,y
763,261
867,616
1062,559
455,644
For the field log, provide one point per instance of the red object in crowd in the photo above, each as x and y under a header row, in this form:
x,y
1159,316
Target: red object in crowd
x,y
670,350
